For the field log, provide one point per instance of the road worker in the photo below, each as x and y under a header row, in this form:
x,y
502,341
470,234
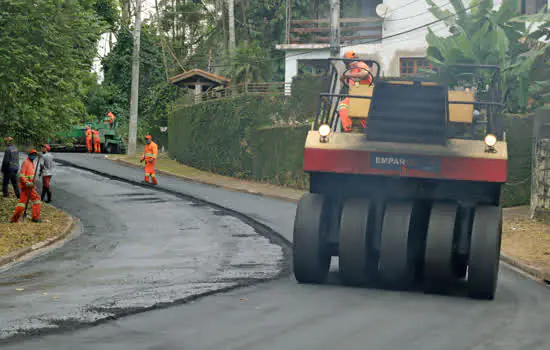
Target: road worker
x,y
89,138
97,141
110,119
46,172
358,72
10,167
150,153
28,189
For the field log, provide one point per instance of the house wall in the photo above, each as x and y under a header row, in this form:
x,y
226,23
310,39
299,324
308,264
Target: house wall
x,y
404,15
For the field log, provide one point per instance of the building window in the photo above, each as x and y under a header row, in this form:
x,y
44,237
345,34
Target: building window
x,y
413,65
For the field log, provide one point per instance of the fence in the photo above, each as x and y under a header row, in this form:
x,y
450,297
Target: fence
x,y
275,88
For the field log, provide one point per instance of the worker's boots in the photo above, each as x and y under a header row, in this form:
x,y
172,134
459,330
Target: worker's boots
x,y
155,180
17,214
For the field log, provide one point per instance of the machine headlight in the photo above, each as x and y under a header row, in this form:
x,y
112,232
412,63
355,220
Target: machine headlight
x,y
490,140
324,130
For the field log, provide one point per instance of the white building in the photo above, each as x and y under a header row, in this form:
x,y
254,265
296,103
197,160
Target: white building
x,y
383,38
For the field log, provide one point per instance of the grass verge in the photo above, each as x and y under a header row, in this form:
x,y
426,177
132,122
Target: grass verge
x,y
172,167
14,237
524,240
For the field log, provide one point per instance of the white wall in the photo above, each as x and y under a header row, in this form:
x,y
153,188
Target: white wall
x,y
404,15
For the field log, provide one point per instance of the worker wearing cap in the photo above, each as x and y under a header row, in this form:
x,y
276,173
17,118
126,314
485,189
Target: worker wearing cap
x,y
28,189
46,172
358,70
89,138
10,167
97,141
150,153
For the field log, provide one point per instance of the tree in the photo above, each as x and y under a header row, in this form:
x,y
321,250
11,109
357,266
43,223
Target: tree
x,y
45,59
114,93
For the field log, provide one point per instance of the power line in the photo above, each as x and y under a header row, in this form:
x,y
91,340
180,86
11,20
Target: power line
x,y
274,59
415,16
392,35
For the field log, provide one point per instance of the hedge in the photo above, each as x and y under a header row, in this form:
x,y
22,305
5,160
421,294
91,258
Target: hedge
x,y
235,137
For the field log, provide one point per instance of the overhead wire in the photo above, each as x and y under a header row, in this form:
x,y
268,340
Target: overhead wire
x,y
360,42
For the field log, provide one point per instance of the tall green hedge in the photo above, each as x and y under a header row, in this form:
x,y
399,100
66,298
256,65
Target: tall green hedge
x,y
278,156
519,133
235,137
216,135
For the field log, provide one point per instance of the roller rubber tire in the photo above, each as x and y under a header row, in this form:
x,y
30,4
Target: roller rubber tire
x,y
485,252
311,259
438,258
395,265
355,256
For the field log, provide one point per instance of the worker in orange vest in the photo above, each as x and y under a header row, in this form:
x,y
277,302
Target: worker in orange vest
x,y
28,189
97,141
111,119
359,70
89,138
150,153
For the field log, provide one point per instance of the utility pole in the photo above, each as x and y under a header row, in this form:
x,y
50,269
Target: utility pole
x,y
132,132
231,15
335,28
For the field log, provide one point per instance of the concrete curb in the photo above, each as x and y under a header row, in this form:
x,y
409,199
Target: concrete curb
x,y
529,270
23,252
210,183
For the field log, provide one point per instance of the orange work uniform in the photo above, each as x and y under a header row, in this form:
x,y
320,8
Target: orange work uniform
x,y
89,140
97,141
26,178
111,118
358,67
150,153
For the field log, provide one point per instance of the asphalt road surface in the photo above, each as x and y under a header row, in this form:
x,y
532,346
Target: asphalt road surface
x,y
285,315
139,249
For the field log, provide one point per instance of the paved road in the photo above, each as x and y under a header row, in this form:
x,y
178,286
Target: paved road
x,y
139,249
285,315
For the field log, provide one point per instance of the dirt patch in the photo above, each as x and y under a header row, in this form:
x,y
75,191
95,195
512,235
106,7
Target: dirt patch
x,y
527,240
26,233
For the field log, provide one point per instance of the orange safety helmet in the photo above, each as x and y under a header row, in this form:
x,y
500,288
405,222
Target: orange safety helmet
x,y
350,54
148,137
47,147
32,151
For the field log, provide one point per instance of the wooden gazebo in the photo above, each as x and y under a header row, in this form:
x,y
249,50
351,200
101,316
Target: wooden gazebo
x,y
199,80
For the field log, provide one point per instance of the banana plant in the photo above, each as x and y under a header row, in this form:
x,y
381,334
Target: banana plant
x,y
481,35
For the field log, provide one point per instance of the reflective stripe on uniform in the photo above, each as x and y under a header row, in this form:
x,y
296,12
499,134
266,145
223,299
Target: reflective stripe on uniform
x,y
36,202
20,205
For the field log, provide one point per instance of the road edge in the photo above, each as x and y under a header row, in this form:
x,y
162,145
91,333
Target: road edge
x,y
27,253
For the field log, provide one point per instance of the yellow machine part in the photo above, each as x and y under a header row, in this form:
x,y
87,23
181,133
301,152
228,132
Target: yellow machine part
x,y
359,107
